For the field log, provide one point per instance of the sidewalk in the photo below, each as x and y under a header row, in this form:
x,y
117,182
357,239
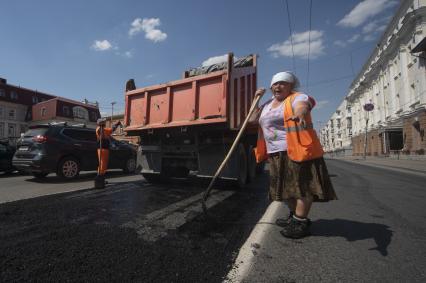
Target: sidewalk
x,y
416,166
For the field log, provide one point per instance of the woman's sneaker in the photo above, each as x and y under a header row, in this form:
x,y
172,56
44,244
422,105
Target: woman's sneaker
x,y
296,229
284,222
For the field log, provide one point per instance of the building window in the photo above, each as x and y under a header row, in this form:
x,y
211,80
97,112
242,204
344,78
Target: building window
x,y
66,110
1,112
13,95
12,114
94,116
43,111
2,93
35,99
24,128
11,130
80,112
1,129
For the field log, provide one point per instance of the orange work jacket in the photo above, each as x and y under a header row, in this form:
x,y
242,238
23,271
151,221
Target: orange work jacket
x,y
106,134
302,141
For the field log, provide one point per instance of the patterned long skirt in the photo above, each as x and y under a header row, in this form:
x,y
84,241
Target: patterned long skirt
x,y
295,180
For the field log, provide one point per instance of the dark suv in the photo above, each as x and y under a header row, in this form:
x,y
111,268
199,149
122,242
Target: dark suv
x,y
6,154
66,150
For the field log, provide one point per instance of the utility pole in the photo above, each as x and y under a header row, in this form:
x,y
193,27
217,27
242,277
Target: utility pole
x,y
112,110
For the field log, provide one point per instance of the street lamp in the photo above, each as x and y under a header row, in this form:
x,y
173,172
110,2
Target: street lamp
x,y
367,107
112,110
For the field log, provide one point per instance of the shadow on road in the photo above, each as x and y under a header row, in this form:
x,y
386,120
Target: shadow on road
x,y
54,179
355,231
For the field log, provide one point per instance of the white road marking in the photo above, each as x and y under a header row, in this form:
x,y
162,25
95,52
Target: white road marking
x,y
254,244
154,225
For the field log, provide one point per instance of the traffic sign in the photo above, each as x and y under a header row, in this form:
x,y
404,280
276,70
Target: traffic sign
x,y
368,106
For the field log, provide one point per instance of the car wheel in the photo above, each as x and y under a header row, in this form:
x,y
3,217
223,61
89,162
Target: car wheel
x,y
40,175
130,166
68,168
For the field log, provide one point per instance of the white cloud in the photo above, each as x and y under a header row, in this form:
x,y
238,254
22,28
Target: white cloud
x,y
344,43
101,45
381,28
149,26
128,54
365,10
369,37
340,43
320,104
354,38
370,27
215,60
300,45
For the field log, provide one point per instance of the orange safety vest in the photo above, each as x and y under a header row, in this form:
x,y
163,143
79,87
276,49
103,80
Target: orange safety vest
x,y
106,134
302,142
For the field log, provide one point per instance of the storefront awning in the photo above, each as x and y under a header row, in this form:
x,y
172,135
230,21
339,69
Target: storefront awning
x,y
420,47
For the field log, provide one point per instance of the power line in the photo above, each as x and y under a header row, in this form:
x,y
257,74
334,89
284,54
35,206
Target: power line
x,y
291,37
309,43
332,80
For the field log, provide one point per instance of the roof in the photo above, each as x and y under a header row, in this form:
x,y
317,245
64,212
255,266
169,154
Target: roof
x,y
59,98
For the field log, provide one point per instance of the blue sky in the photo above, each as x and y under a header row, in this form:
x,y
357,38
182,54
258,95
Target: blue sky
x,y
89,49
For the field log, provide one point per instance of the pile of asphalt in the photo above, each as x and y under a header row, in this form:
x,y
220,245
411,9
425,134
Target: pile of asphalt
x,y
80,236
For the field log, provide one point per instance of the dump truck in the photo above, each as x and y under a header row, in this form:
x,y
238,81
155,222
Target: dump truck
x,y
187,126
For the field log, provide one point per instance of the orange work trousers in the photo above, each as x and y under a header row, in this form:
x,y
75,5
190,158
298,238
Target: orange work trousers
x,y
103,155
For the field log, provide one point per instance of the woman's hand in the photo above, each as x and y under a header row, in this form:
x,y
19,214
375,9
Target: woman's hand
x,y
260,92
300,111
254,118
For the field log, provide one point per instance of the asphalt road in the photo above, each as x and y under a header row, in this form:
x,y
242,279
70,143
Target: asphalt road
x,y
131,231
136,231
375,232
17,186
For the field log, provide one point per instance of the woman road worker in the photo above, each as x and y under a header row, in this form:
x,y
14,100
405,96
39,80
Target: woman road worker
x,y
103,136
298,174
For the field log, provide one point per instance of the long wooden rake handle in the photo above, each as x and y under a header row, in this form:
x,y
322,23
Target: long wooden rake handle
x,y
231,150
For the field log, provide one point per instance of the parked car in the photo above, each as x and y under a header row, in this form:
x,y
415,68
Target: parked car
x,y
67,150
6,155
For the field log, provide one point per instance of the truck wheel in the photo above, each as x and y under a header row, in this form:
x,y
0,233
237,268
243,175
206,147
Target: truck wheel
x,y
242,166
152,178
68,168
130,166
251,167
260,168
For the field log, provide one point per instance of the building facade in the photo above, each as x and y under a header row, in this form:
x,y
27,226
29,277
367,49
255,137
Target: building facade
x,y
119,133
21,108
393,80
15,109
60,109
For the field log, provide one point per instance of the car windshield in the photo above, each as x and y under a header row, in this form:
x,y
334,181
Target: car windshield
x,y
36,132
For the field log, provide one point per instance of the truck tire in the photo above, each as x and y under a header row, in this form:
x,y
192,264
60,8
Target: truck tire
x,y
152,178
242,166
130,166
252,165
68,168
260,168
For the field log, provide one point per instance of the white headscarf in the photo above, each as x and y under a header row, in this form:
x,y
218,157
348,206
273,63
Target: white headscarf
x,y
286,77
